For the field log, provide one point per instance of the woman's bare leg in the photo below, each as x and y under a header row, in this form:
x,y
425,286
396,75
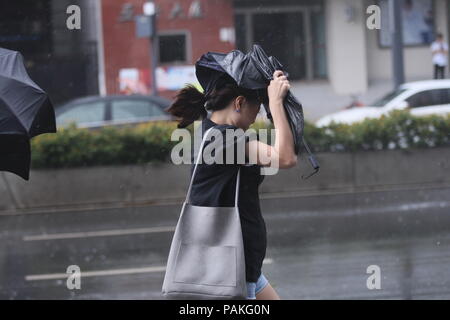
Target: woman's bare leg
x,y
268,293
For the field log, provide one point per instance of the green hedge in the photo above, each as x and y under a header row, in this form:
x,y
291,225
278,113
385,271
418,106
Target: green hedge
x,y
398,130
74,147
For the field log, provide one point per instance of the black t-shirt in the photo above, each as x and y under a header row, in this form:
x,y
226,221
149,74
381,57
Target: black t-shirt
x,y
215,185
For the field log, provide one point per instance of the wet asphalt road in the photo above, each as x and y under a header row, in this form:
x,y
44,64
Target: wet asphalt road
x,y
311,254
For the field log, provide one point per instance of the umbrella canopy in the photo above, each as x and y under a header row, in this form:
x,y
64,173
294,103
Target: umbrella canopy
x,y
25,112
254,70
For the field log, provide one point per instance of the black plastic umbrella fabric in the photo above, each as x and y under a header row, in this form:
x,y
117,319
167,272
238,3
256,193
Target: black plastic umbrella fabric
x,y
254,70
25,112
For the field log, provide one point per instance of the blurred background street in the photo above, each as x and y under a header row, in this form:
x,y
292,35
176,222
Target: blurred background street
x,y
321,254
104,192
332,59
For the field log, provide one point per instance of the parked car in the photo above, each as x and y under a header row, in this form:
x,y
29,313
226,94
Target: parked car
x,y
420,98
114,110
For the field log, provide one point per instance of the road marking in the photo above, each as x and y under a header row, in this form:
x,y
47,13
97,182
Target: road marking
x,y
100,273
102,233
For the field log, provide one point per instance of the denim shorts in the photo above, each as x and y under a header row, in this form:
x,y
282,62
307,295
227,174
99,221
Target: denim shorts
x,y
253,288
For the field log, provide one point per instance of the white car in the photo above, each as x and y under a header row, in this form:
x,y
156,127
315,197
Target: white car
x,y
420,98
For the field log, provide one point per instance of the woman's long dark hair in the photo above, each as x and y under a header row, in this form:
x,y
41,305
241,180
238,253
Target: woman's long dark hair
x,y
190,104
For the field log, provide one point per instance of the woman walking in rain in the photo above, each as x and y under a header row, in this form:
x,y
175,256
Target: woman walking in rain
x,y
234,107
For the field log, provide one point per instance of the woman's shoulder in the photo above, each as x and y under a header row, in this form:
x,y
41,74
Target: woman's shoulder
x,y
208,123
224,129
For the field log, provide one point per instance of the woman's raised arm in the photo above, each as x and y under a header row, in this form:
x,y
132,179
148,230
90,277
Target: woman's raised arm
x,y
281,154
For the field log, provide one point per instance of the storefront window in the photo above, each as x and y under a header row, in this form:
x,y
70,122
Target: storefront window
x,y
172,48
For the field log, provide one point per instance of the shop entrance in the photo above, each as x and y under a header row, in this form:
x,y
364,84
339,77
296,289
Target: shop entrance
x,y
294,34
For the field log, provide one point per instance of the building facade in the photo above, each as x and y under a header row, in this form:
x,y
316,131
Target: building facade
x,y
314,39
63,62
323,41
185,29
358,56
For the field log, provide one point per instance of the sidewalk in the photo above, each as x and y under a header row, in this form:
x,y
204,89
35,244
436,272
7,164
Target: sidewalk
x,y
119,186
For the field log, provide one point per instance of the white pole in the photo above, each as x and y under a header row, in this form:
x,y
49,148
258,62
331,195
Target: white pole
x,y
100,49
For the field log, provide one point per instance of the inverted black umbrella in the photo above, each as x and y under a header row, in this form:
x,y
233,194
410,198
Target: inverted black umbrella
x,y
25,112
254,70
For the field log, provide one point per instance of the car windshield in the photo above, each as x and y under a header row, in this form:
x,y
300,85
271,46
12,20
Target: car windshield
x,y
386,98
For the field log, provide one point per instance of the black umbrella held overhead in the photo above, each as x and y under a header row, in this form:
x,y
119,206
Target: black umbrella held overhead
x,y
254,70
25,112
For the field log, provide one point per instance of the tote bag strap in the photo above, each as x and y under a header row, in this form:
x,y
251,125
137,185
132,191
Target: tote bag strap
x,y
200,152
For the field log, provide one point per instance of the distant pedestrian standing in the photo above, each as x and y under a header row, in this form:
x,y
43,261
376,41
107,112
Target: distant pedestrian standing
x,y
439,50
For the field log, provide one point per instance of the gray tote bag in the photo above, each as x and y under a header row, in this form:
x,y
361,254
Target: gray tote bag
x,y
206,257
